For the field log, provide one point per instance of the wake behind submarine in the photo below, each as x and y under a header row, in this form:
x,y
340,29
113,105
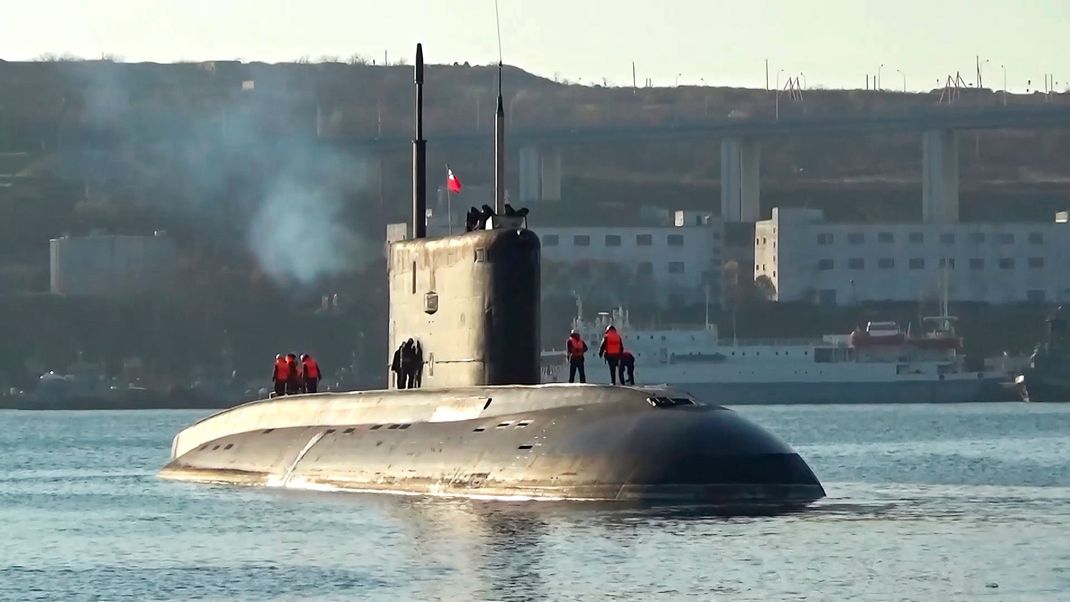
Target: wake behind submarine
x,y
482,425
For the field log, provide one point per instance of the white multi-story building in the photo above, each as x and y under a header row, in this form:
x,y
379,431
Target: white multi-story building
x,y
806,258
682,261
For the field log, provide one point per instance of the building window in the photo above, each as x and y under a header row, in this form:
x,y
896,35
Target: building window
x,y
676,240
1006,263
856,263
825,264
917,237
1036,262
916,263
977,237
581,240
1006,238
1036,238
947,238
645,268
825,238
885,263
612,240
550,240
676,267
977,263
1035,296
947,262
885,237
643,240
856,238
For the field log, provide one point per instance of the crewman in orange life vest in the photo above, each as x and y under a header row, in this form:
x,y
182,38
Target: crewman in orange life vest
x,y
611,348
310,373
281,375
575,347
293,383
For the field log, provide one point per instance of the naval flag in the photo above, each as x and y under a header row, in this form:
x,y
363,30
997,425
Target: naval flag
x,y
452,183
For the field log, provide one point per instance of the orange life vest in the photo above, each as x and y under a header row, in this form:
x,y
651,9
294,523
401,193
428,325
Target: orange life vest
x,y
312,369
575,347
613,343
282,369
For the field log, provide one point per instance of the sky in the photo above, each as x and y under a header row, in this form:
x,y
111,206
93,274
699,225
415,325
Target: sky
x,y
831,43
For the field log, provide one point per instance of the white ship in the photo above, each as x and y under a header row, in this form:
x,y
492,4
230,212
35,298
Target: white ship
x,y
880,364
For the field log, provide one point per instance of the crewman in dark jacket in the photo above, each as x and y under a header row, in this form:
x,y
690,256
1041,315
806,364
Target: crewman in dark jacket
x,y
575,347
627,365
408,363
395,367
610,349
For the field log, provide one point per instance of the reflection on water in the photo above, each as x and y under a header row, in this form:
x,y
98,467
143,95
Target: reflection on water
x,y
927,503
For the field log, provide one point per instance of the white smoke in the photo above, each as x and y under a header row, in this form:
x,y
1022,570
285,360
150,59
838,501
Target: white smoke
x,y
297,234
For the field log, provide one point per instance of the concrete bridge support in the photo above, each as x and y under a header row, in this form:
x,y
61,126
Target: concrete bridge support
x,y
539,174
940,177
740,180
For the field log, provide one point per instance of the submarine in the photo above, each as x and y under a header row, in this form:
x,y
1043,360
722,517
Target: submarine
x,y
480,424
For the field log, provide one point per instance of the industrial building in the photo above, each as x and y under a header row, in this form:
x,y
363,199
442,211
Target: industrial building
x,y
806,258
108,265
681,259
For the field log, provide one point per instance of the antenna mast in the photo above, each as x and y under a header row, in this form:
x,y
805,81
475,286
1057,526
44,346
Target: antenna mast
x,y
419,155
499,130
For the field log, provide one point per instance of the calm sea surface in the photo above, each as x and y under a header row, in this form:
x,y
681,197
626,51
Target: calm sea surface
x,y
940,503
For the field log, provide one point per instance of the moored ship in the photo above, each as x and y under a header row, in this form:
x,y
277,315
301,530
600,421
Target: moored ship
x,y
877,364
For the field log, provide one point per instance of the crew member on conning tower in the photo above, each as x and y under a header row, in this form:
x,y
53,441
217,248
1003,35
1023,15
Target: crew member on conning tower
x,y
610,349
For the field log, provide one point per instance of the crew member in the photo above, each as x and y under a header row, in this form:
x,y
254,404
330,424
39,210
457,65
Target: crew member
x,y
310,373
293,382
627,365
575,347
395,367
610,349
418,365
408,364
281,375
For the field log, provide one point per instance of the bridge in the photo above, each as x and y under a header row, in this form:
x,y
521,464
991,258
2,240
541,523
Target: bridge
x,y
540,150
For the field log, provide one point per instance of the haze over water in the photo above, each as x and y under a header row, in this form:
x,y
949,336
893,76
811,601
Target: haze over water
x,y
925,503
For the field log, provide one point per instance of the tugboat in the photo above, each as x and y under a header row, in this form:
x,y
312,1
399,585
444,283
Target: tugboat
x,y
1047,378
479,423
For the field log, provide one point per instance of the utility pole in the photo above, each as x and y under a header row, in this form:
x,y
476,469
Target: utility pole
x,y
1004,67
767,75
634,87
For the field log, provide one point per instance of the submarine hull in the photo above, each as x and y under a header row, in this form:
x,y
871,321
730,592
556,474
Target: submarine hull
x,y
620,448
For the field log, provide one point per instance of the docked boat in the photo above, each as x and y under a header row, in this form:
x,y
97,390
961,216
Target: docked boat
x,y
878,364
1047,377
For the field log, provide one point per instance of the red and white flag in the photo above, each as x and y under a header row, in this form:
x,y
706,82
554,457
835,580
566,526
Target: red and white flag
x,y
452,183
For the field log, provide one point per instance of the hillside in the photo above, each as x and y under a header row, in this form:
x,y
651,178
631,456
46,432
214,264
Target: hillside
x,y
251,168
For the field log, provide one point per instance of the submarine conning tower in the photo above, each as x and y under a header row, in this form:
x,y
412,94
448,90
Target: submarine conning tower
x,y
470,300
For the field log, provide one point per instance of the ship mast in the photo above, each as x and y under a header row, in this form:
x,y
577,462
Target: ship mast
x,y
499,131
419,155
